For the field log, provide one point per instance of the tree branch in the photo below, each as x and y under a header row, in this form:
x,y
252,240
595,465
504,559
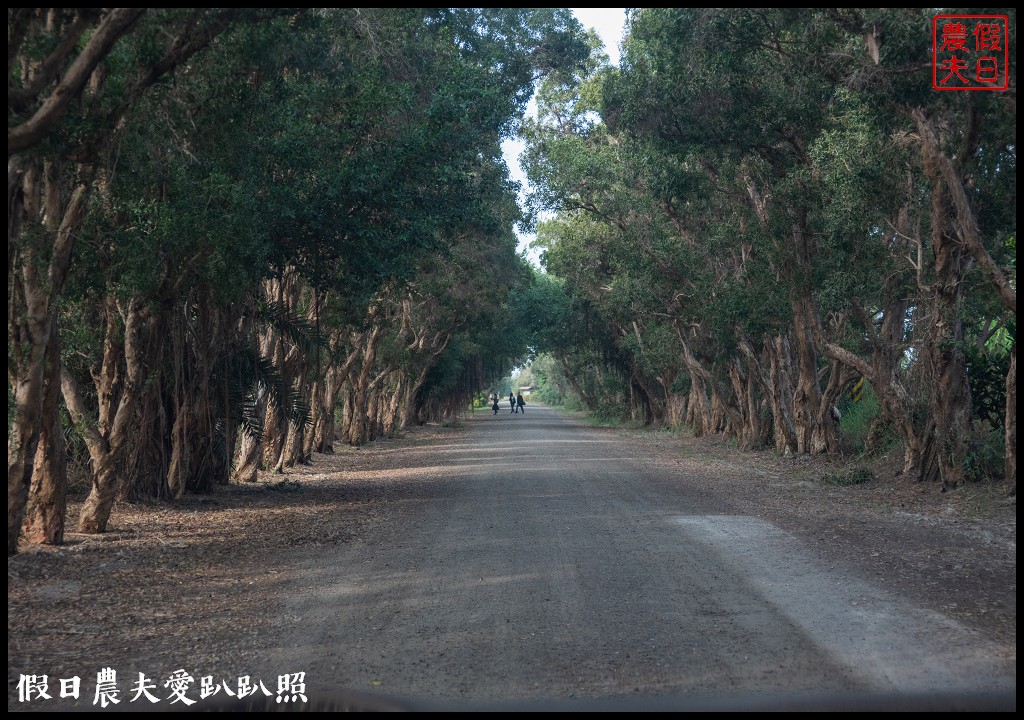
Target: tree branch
x,y
967,223
32,131
18,99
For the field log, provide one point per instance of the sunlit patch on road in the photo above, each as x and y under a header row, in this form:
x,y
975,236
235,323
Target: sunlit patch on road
x,y
880,636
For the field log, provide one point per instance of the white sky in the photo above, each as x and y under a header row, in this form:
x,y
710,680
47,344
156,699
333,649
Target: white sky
x,y
609,23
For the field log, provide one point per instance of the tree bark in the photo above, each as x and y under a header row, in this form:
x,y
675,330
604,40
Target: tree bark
x,y
807,398
177,471
940,166
358,399
336,377
316,419
32,318
753,432
107,438
393,414
772,385
950,397
827,418
883,371
47,500
275,425
1011,424
292,451
436,347
783,383
701,417
247,462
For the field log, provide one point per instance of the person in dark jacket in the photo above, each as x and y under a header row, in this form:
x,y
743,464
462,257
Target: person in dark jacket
x,y
520,402
512,402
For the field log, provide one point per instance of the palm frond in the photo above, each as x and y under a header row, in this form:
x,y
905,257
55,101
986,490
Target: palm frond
x,y
292,326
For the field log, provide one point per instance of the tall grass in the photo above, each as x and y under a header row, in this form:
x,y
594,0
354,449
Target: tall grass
x,y
857,418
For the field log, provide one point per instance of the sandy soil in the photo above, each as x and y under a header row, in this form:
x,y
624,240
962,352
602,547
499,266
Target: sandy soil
x,y
235,584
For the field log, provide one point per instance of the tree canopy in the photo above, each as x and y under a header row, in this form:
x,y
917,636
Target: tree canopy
x,y
239,236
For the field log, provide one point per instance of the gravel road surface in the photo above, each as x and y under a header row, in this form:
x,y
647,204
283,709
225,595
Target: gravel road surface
x,y
534,559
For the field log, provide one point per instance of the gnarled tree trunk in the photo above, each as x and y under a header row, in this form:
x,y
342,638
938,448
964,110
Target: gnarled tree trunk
x,y
47,506
36,279
358,428
247,461
117,385
950,397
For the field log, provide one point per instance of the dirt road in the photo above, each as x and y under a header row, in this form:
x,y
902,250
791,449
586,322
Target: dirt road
x,y
534,561
533,557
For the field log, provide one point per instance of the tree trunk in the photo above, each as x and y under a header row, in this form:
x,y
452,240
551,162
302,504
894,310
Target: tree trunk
x,y
32,316
324,432
720,416
201,472
393,415
646,403
359,424
293,446
827,417
883,371
702,414
118,402
177,471
950,396
275,425
751,432
699,413
1011,423
322,436
247,462
675,405
954,234
807,398
574,384
310,434
780,427
47,506
335,384
372,418
780,373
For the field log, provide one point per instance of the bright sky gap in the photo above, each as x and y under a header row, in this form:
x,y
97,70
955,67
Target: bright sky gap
x,y
609,24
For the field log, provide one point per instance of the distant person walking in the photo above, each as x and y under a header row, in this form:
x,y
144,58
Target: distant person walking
x,y
520,402
493,397
512,402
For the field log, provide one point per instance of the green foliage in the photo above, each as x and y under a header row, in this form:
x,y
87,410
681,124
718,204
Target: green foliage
x,y
743,170
985,459
738,163
550,386
297,329
541,313
987,369
858,418
247,377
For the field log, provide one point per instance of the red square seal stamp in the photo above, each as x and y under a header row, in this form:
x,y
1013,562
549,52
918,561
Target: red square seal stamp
x,y
970,52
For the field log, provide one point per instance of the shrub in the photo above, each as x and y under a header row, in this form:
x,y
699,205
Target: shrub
x,y
985,460
857,418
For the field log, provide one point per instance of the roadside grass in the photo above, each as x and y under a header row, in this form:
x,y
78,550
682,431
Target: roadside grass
x,y
612,422
979,499
849,476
